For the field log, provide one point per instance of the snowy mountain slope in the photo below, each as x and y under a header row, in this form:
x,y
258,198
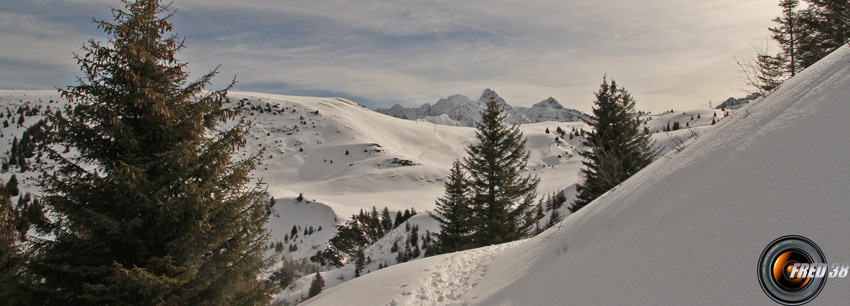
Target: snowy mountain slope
x,y
390,162
687,230
463,111
344,158
305,151
341,156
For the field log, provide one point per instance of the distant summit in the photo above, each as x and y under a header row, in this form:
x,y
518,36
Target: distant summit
x,y
735,103
463,111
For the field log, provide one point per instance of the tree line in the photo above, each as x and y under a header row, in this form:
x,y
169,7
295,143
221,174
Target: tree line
x,y
805,35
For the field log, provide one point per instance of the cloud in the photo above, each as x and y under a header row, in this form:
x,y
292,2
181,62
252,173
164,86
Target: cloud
x,y
669,54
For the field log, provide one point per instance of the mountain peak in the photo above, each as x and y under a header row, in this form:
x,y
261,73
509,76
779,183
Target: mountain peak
x,y
549,103
464,111
485,96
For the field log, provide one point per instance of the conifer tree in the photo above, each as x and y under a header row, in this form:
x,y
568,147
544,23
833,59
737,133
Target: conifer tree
x,y
316,285
359,261
454,214
386,220
12,186
14,279
554,218
825,26
617,147
152,209
786,34
501,197
770,72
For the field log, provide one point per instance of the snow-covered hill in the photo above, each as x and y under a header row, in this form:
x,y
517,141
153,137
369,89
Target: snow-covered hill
x,y
687,230
463,111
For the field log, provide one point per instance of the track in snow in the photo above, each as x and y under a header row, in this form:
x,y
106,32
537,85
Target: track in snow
x,y
456,275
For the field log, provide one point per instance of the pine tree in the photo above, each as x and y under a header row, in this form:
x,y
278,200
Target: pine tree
x,y
501,197
359,261
617,147
12,186
154,210
825,26
316,285
454,214
554,218
770,72
786,34
386,220
14,279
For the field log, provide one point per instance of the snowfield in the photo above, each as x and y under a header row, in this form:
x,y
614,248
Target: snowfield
x,y
345,158
687,230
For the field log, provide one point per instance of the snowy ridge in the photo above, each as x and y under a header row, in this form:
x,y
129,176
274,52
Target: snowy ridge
x,y
688,229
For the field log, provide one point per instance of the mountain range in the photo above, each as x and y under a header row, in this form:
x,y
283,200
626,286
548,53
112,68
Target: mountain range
x,y
736,103
460,110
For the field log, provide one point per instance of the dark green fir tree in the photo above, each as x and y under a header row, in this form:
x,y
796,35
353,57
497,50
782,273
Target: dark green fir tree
x,y
316,285
501,197
786,33
14,278
825,27
153,209
454,214
617,147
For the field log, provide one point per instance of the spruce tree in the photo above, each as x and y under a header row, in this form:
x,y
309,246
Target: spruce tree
x,y
501,197
770,72
152,209
12,186
14,279
316,285
359,261
454,214
825,27
786,34
617,148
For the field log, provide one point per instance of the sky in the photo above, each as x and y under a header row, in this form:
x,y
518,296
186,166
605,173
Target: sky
x,y
669,54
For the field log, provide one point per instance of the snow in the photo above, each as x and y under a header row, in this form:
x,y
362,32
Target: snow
x,y
686,230
394,163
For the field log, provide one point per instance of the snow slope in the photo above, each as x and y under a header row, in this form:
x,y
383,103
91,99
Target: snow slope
x,y
687,230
